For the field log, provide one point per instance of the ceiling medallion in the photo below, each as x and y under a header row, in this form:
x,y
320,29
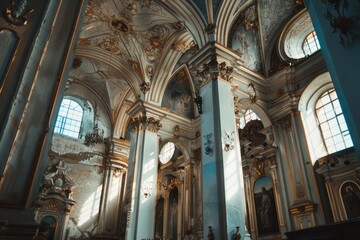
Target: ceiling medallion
x,y
120,25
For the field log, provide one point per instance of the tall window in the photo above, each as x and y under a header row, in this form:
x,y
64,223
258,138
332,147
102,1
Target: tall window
x,y
248,116
69,118
311,44
332,123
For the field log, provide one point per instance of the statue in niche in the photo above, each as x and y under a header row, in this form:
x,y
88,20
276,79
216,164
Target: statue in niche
x,y
265,206
350,194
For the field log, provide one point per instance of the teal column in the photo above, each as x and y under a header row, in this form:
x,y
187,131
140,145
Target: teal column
x,y
342,61
142,178
222,177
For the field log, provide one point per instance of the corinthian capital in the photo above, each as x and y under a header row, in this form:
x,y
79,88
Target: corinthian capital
x,y
145,123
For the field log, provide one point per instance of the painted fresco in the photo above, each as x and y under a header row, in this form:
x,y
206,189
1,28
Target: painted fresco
x,y
265,206
246,40
350,194
178,97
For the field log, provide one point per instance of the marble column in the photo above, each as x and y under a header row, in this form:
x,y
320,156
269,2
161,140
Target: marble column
x,y
222,176
113,189
30,94
142,176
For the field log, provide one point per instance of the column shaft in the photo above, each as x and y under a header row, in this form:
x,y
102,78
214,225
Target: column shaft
x,y
223,188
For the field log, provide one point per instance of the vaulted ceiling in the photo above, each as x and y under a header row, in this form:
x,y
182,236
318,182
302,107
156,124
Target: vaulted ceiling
x,y
126,44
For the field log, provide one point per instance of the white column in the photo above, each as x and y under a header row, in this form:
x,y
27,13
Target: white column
x,y
222,177
144,151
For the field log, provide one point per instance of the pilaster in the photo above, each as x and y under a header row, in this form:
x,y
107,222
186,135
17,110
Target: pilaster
x,y
300,179
112,202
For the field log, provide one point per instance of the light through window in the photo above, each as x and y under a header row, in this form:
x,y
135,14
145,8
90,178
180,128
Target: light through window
x,y
311,44
249,115
69,118
167,152
332,123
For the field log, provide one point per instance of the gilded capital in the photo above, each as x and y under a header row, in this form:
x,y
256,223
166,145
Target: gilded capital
x,y
145,123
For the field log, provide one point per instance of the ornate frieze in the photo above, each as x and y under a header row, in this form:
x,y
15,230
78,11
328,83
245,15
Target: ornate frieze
x,y
145,123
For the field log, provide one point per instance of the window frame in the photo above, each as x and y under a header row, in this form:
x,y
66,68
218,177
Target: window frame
x,y
69,119
331,122
308,42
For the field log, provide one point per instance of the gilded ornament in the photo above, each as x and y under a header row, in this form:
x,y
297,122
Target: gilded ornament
x,y
144,87
252,132
17,15
259,166
285,122
225,71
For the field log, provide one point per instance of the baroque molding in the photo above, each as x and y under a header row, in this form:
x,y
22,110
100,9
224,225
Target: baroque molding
x,y
56,190
144,87
145,123
212,71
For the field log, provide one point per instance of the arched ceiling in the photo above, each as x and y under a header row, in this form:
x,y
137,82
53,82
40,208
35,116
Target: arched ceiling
x,y
126,43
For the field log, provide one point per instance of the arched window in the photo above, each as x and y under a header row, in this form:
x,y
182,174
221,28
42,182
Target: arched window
x,y
167,152
69,118
248,116
311,44
332,123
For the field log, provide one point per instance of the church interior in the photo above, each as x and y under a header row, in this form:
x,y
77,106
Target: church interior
x,y
179,119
